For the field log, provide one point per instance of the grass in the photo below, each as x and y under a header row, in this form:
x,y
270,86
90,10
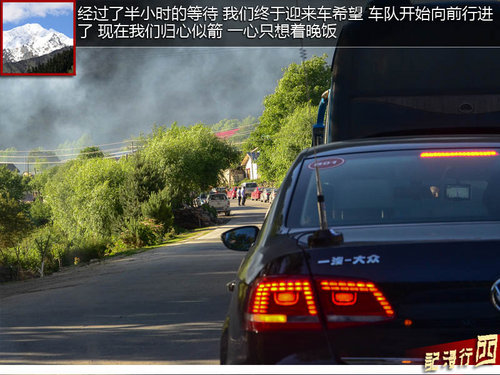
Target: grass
x,y
183,236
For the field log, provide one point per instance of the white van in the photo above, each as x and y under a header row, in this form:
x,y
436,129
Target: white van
x,y
220,203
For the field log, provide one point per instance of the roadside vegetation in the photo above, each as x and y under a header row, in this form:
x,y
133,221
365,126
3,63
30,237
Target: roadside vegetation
x,y
285,127
94,206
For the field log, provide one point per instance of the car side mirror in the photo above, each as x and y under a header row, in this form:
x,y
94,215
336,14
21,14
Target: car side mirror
x,y
240,239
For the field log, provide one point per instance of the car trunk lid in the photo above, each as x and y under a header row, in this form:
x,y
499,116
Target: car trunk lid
x,y
439,291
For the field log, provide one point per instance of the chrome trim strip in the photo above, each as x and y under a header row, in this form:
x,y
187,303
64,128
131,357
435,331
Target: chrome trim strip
x,y
360,318
381,361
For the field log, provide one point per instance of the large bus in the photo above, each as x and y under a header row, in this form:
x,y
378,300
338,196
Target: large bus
x,y
405,78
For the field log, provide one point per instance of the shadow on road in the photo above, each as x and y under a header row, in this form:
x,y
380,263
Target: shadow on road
x,y
164,306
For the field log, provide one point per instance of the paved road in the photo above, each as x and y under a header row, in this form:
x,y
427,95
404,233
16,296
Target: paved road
x,y
164,306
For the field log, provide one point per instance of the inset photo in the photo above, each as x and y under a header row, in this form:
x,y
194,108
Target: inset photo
x,y
38,38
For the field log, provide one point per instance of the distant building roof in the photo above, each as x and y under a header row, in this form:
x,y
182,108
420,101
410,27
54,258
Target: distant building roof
x,y
252,155
226,134
12,168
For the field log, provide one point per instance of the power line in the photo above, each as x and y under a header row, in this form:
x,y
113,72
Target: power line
x,y
106,144
65,149
27,159
110,156
64,155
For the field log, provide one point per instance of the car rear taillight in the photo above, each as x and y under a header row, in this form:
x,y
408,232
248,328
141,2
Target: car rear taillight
x,y
291,302
352,302
282,303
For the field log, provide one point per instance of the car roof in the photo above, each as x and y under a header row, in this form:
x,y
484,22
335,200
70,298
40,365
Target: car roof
x,y
402,143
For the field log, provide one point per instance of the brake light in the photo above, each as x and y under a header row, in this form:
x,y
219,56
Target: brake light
x,y
352,302
344,298
458,154
282,303
288,303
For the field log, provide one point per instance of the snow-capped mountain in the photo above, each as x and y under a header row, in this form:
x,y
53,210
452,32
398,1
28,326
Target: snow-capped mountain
x,y
32,40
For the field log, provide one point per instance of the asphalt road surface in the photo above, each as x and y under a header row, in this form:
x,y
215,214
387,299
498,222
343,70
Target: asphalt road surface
x,y
164,306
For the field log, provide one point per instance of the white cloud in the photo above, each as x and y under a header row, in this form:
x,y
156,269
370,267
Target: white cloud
x,y
17,12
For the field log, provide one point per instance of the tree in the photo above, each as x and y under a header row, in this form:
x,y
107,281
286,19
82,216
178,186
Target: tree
x,y
301,84
158,209
83,196
61,62
39,213
42,160
43,240
293,137
143,178
189,160
14,223
90,153
68,146
11,183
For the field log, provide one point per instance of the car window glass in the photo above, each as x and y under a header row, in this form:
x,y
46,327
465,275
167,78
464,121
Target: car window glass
x,y
217,197
399,187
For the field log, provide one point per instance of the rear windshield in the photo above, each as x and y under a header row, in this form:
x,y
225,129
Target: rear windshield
x,y
378,91
250,184
217,197
396,187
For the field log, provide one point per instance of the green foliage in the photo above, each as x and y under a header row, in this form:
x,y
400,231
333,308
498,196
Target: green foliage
x,y
85,249
60,63
42,240
11,183
158,209
212,211
40,213
141,233
91,205
22,259
90,153
84,197
301,84
143,178
68,146
188,160
293,137
37,183
36,253
41,160
14,223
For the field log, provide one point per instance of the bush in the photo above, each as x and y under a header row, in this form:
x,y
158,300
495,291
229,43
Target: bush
x,y
22,260
86,249
36,252
158,209
142,233
39,212
212,211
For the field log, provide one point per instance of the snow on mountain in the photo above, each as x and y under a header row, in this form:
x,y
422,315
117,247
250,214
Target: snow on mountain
x,y
32,40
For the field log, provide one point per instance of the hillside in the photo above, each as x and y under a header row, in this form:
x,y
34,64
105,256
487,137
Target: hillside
x,y
60,61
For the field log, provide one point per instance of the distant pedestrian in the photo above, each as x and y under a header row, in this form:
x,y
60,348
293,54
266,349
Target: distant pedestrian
x,y
243,195
238,194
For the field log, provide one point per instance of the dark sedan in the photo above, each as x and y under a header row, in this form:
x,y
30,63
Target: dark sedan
x,y
410,259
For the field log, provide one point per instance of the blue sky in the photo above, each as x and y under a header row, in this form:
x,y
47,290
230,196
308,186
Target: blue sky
x,y
56,15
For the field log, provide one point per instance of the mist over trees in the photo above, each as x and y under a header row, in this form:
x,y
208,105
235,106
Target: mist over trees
x,y
96,204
